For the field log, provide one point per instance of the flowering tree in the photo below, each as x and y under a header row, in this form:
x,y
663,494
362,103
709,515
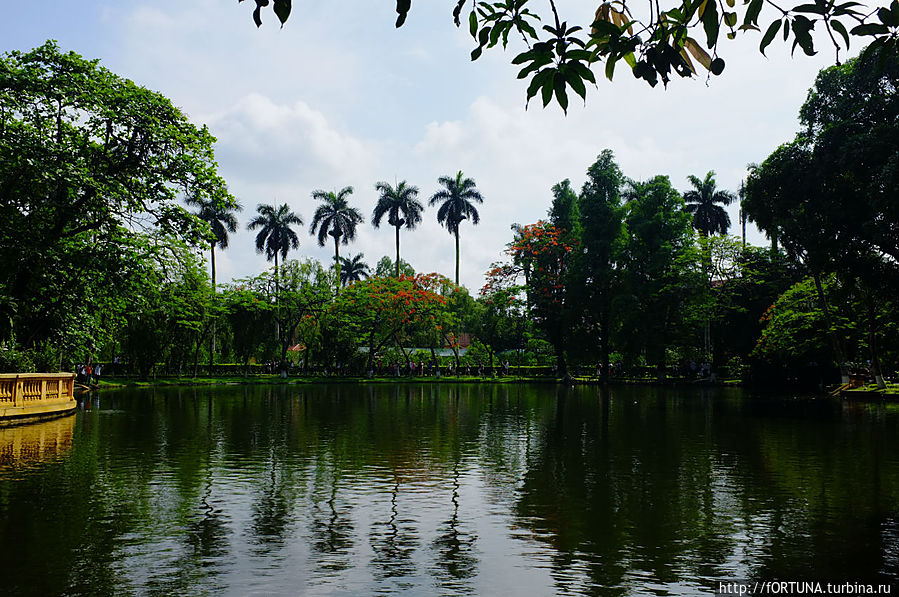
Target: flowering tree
x,y
547,250
393,310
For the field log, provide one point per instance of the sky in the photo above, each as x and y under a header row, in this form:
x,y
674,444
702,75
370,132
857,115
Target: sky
x,y
341,97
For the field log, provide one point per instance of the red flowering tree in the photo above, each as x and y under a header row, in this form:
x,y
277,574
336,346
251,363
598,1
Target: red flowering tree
x,y
502,320
380,312
547,250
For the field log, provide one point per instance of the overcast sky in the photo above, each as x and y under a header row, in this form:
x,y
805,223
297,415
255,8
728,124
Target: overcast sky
x,y
340,97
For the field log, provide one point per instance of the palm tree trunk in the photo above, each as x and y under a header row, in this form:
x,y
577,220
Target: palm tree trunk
x,y
277,302
212,340
337,260
456,234
397,251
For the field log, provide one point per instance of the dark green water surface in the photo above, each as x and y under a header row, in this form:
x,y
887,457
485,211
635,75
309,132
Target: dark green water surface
x,y
447,489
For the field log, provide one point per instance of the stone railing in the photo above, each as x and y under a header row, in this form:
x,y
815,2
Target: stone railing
x,y
24,395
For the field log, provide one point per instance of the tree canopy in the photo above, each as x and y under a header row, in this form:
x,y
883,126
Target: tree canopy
x,y
656,42
92,171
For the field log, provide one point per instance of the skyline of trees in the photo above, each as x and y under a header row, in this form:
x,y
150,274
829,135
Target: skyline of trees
x,y
623,270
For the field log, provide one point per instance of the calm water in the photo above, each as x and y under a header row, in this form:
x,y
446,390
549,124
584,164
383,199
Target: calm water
x,y
420,489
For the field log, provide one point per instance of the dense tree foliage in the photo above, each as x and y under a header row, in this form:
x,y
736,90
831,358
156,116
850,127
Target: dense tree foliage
x,y
92,167
829,195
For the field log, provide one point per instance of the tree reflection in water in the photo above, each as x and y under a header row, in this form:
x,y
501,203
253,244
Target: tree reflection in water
x,y
457,560
332,489
394,542
332,531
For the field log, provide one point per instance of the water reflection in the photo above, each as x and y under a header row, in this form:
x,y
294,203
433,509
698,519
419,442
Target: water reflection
x,y
455,546
452,489
33,443
394,542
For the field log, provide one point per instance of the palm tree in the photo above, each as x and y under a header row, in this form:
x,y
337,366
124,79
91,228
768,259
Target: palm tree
x,y
275,236
353,270
334,217
402,207
220,217
708,217
457,199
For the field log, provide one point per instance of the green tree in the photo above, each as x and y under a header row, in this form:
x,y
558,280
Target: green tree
x,y
89,164
335,218
795,326
402,208
659,262
549,250
846,154
499,319
169,319
704,202
306,294
221,220
602,221
251,318
303,291
275,236
219,215
456,200
385,268
353,270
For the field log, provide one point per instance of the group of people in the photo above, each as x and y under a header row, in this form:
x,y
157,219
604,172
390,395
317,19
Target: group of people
x,y
87,374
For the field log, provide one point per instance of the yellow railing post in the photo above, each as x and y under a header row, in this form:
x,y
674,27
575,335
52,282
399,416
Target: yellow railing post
x,y
17,392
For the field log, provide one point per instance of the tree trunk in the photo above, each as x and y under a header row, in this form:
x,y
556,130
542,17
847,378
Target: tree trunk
x,y
872,343
457,255
277,303
562,364
337,260
212,340
397,251
403,350
371,348
197,346
839,353
604,343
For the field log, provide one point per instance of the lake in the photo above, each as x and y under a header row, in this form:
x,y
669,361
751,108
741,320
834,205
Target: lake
x,y
447,489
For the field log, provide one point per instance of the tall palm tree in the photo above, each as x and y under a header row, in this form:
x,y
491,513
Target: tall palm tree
x,y
457,200
702,202
220,217
353,270
275,236
334,217
402,207
708,218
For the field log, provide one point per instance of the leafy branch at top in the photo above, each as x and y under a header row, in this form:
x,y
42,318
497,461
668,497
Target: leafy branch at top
x,y
655,44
